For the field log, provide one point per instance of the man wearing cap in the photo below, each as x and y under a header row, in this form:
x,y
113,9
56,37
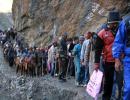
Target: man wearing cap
x,y
53,51
85,53
121,47
104,46
77,53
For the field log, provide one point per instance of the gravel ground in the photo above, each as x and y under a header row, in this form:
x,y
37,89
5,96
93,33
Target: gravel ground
x,y
16,87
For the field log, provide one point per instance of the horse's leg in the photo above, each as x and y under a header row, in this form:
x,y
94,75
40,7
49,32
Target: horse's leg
x,y
21,69
35,69
42,70
17,68
24,71
39,70
27,69
31,71
59,65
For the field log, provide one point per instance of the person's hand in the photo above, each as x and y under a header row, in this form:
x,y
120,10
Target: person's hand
x,y
69,54
96,66
57,55
118,65
82,63
122,55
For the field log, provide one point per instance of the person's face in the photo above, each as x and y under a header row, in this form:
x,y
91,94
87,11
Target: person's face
x,y
87,36
65,37
81,41
55,44
76,41
71,41
112,26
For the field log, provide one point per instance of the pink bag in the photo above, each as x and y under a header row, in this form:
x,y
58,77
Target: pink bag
x,y
94,84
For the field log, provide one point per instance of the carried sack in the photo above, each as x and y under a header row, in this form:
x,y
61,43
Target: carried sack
x,y
94,84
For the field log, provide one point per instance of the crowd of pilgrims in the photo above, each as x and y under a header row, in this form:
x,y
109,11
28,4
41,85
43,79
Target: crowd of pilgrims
x,y
64,58
74,57
59,59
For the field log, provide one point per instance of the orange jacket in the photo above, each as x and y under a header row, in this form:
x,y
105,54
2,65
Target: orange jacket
x,y
108,39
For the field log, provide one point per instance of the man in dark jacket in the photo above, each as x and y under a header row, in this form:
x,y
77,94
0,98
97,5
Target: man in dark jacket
x,y
71,67
63,56
104,46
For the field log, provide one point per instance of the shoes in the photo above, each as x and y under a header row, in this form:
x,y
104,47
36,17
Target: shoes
x,y
77,84
56,75
84,85
62,79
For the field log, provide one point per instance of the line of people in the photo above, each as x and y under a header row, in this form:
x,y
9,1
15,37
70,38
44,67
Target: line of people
x,y
80,56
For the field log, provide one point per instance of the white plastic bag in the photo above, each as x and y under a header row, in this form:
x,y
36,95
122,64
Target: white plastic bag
x,y
94,84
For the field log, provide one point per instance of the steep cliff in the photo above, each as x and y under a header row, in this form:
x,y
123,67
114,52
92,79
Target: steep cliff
x,y
41,20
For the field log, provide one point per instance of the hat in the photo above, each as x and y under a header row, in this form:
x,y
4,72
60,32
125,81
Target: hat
x,y
113,17
81,38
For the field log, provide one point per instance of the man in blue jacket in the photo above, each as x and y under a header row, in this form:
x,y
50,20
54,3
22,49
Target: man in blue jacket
x,y
77,53
121,47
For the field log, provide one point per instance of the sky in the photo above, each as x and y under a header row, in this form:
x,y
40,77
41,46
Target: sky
x,y
6,5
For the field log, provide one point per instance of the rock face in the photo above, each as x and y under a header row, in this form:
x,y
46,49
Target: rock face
x,y
40,20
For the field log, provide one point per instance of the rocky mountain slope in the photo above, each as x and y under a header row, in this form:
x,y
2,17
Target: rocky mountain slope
x,y
5,21
41,20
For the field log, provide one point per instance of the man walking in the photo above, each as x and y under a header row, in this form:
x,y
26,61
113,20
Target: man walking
x,y
121,47
103,46
63,57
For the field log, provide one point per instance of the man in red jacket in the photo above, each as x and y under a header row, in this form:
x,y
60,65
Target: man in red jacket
x,y
103,45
